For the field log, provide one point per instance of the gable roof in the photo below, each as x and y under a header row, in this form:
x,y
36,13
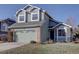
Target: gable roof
x,y
26,8
33,7
61,24
7,20
53,20
30,6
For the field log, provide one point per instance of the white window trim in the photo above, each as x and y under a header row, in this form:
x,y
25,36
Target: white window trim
x,y
24,17
19,18
36,19
65,33
6,28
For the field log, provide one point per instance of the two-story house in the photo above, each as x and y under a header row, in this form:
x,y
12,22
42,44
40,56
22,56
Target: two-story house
x,y
35,24
4,24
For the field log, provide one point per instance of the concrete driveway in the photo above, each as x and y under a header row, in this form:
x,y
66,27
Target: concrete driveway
x,y
6,46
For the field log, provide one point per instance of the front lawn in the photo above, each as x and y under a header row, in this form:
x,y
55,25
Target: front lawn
x,y
57,48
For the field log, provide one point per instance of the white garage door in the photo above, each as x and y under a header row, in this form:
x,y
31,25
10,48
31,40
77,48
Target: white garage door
x,y
25,36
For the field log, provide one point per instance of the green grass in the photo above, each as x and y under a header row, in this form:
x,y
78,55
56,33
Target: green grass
x,y
57,48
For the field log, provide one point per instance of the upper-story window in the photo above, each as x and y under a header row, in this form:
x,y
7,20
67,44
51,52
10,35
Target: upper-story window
x,y
21,18
4,27
34,17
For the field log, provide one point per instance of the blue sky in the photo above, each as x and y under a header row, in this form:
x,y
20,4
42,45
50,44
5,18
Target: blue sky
x,y
59,12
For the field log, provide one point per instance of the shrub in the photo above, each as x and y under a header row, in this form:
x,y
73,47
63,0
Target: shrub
x,y
76,37
33,42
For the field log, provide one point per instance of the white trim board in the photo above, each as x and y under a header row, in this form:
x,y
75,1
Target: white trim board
x,y
24,14
37,15
65,33
59,24
29,5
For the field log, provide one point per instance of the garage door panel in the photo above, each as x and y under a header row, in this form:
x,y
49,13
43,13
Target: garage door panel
x,y
25,35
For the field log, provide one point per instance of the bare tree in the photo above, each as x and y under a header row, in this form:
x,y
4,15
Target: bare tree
x,y
70,21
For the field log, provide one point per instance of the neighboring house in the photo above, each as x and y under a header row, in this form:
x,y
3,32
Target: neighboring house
x,y
4,26
35,24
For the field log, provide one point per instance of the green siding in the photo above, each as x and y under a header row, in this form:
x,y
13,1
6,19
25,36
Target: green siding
x,y
44,29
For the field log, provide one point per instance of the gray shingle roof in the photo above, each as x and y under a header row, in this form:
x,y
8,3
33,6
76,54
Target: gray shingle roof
x,y
29,24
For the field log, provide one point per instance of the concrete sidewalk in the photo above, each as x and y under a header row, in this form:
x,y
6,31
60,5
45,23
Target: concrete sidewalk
x,y
6,46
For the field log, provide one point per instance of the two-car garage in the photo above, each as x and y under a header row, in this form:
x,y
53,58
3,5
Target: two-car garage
x,y
26,35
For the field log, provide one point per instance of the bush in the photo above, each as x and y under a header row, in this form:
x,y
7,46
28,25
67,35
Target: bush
x,y
76,37
33,42
50,41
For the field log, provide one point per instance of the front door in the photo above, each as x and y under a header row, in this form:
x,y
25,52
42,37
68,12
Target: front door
x,y
52,34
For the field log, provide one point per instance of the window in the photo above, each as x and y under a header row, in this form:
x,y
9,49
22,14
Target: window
x,y
4,28
21,18
34,17
61,32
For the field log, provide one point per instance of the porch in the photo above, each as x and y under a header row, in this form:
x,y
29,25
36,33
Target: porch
x,y
60,35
